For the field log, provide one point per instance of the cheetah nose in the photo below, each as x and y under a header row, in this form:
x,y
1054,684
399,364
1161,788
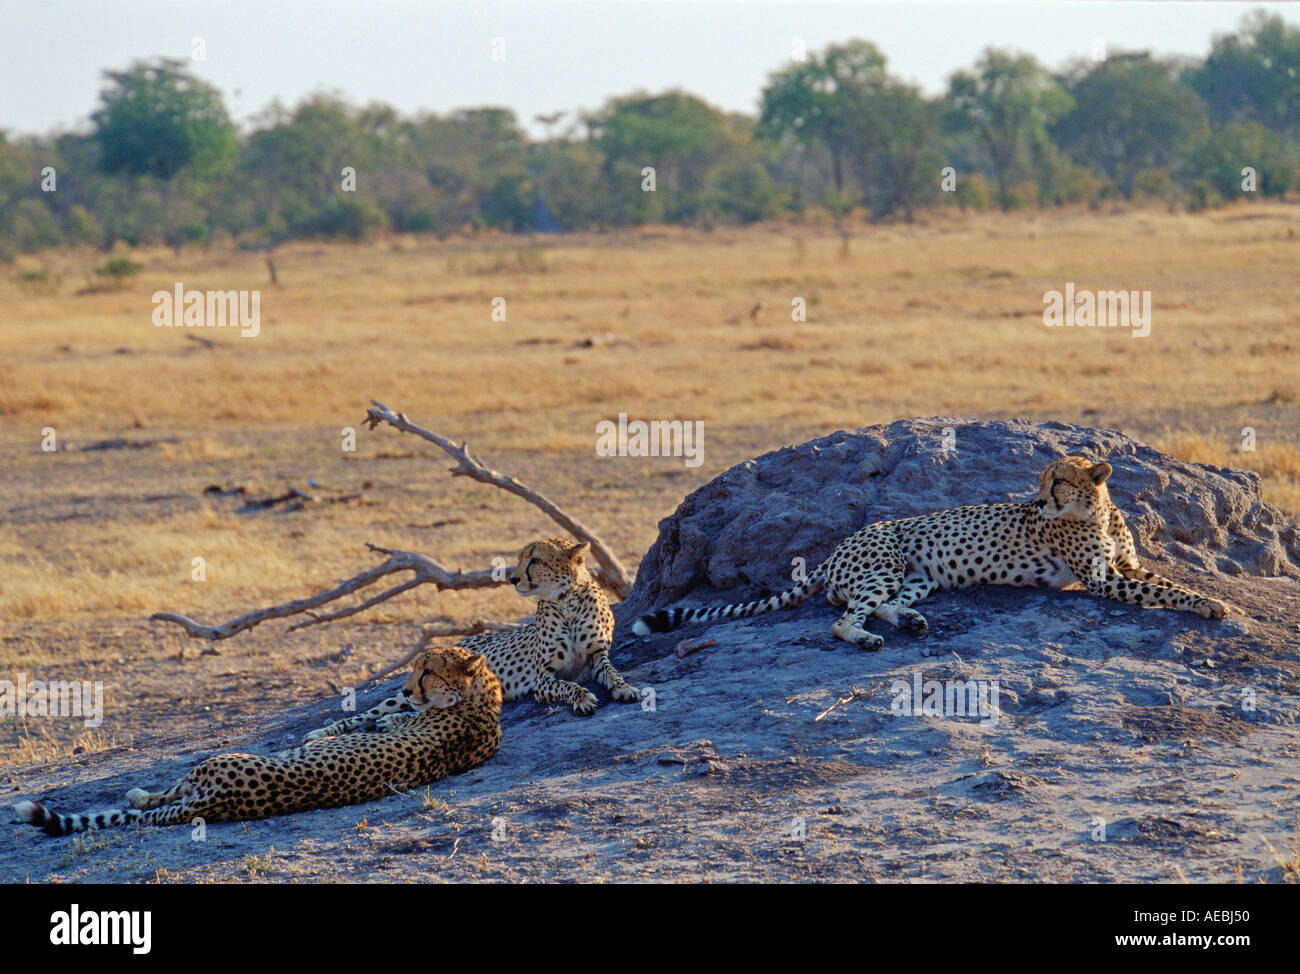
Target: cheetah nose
x,y
514,579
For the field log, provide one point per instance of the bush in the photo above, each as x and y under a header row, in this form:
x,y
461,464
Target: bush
x,y
974,191
347,219
39,281
421,219
1158,185
1237,145
1062,181
1202,195
119,269
32,226
82,227
742,192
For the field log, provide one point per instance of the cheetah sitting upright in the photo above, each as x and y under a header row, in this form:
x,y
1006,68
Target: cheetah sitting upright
x,y
457,727
1070,532
570,639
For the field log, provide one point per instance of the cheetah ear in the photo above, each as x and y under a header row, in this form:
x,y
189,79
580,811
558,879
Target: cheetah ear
x,y
1100,471
578,552
474,664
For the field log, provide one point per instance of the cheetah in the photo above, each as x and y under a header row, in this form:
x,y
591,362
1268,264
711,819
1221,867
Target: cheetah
x,y
1069,532
456,727
570,638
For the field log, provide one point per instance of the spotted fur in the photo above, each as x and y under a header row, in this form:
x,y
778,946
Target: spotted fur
x,y
1070,532
569,640
456,726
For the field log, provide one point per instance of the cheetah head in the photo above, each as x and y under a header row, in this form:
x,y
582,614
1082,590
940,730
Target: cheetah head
x,y
442,678
1074,488
550,569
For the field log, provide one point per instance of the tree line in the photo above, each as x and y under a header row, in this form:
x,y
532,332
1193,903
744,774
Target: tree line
x,y
162,160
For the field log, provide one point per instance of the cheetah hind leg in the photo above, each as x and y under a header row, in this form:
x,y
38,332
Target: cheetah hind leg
x,y
849,627
897,612
867,596
139,798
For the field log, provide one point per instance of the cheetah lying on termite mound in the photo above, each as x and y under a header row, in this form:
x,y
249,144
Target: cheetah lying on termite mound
x,y
457,727
569,640
1070,532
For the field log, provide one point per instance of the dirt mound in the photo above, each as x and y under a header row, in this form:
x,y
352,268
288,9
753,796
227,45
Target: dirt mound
x,y
742,532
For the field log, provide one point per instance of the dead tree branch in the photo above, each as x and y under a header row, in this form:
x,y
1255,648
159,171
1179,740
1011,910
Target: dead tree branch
x,y
857,693
425,571
611,572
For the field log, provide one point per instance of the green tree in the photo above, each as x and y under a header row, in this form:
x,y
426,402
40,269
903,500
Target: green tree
x,y
293,165
475,161
1253,74
566,180
158,122
681,137
156,119
810,101
1130,113
1007,102
893,133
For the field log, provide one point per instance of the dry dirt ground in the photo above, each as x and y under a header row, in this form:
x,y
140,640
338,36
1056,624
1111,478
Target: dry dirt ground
x,y
934,318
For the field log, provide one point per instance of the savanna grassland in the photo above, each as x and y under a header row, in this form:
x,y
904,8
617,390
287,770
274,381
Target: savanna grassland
x,y
940,317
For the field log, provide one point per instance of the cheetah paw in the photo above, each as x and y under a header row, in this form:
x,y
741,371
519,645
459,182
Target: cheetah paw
x,y
626,694
585,705
137,797
868,641
912,621
1211,609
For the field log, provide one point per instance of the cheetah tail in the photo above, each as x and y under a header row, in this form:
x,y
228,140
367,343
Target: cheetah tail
x,y
666,620
52,823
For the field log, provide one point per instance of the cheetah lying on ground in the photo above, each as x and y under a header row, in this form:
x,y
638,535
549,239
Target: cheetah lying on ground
x,y
1070,532
569,640
457,727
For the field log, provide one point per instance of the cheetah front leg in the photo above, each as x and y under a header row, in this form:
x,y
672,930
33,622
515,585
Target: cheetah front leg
x,y
1105,580
392,722
551,689
612,680
395,704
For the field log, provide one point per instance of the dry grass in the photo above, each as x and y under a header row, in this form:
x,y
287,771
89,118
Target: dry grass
x,y
1276,461
37,741
1289,860
931,319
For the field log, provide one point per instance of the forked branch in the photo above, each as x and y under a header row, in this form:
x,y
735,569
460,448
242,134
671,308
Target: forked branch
x,y
425,571
611,572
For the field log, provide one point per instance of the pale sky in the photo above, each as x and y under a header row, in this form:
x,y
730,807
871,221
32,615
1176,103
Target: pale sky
x,y
437,55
